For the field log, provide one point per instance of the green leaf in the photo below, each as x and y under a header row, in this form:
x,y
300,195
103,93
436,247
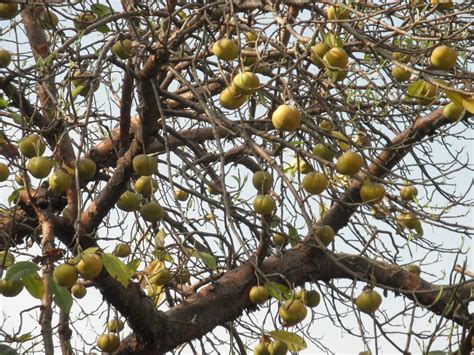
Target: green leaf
x,y
162,255
34,285
333,40
103,29
208,259
116,269
294,341
454,97
22,338
20,269
6,350
100,10
416,88
14,195
277,291
19,119
91,250
61,296
133,266
77,90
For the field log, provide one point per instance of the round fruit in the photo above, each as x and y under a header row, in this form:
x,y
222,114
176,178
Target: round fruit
x,y
292,312
250,36
144,165
39,167
83,78
301,166
152,212
278,348
261,349
78,290
65,275
349,163
453,112
83,20
428,94
264,204
231,99
401,57
262,181
258,294
115,325
442,4
317,53
408,192
371,191
279,240
337,13
413,269
8,11
86,168
368,301
323,151
409,220
4,172
10,288
286,118
225,49
315,183
161,277
129,201
309,298
325,233
145,185
60,181
5,58
336,57
443,58
122,49
181,195
108,342
246,83
400,74
90,266
122,250
7,259
341,140
49,19
32,145
338,75
326,124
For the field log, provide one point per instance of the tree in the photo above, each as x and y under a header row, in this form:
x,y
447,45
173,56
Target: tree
x,y
137,130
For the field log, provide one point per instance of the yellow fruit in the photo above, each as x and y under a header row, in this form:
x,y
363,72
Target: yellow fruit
x,y
261,349
246,83
413,269
341,140
65,275
317,53
10,288
122,49
108,342
292,312
453,112
83,20
371,191
337,13
32,145
248,61
264,205
337,58
408,192
115,325
5,58
225,49
231,99
286,118
409,220
86,168
7,259
262,181
78,291
258,294
315,183
250,36
60,181
428,94
152,212
279,240
443,58
39,167
301,166
144,165
326,125
49,19
8,11
400,74
161,277
122,250
145,185
309,298
338,75
278,348
442,4
324,151
325,233
349,163
401,57
4,172
90,266
181,195
129,201
368,301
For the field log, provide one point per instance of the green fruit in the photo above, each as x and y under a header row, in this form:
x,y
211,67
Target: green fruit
x,y
60,181
349,163
409,220
301,166
181,195
453,112
182,277
278,348
286,118
144,165
122,48
338,75
83,20
49,19
226,49
83,78
145,185
122,250
32,145
86,168
325,233
262,181
115,325
336,57
264,205
90,266
5,58
401,57
442,4
258,294
337,13
428,94
4,172
400,73
152,212
413,269
7,259
246,83
108,342
161,277
231,99
129,201
10,288
65,275
78,291
292,312
261,349
371,192
315,183
39,167
323,151
408,192
368,301
8,11
443,58
309,298
279,240
317,53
